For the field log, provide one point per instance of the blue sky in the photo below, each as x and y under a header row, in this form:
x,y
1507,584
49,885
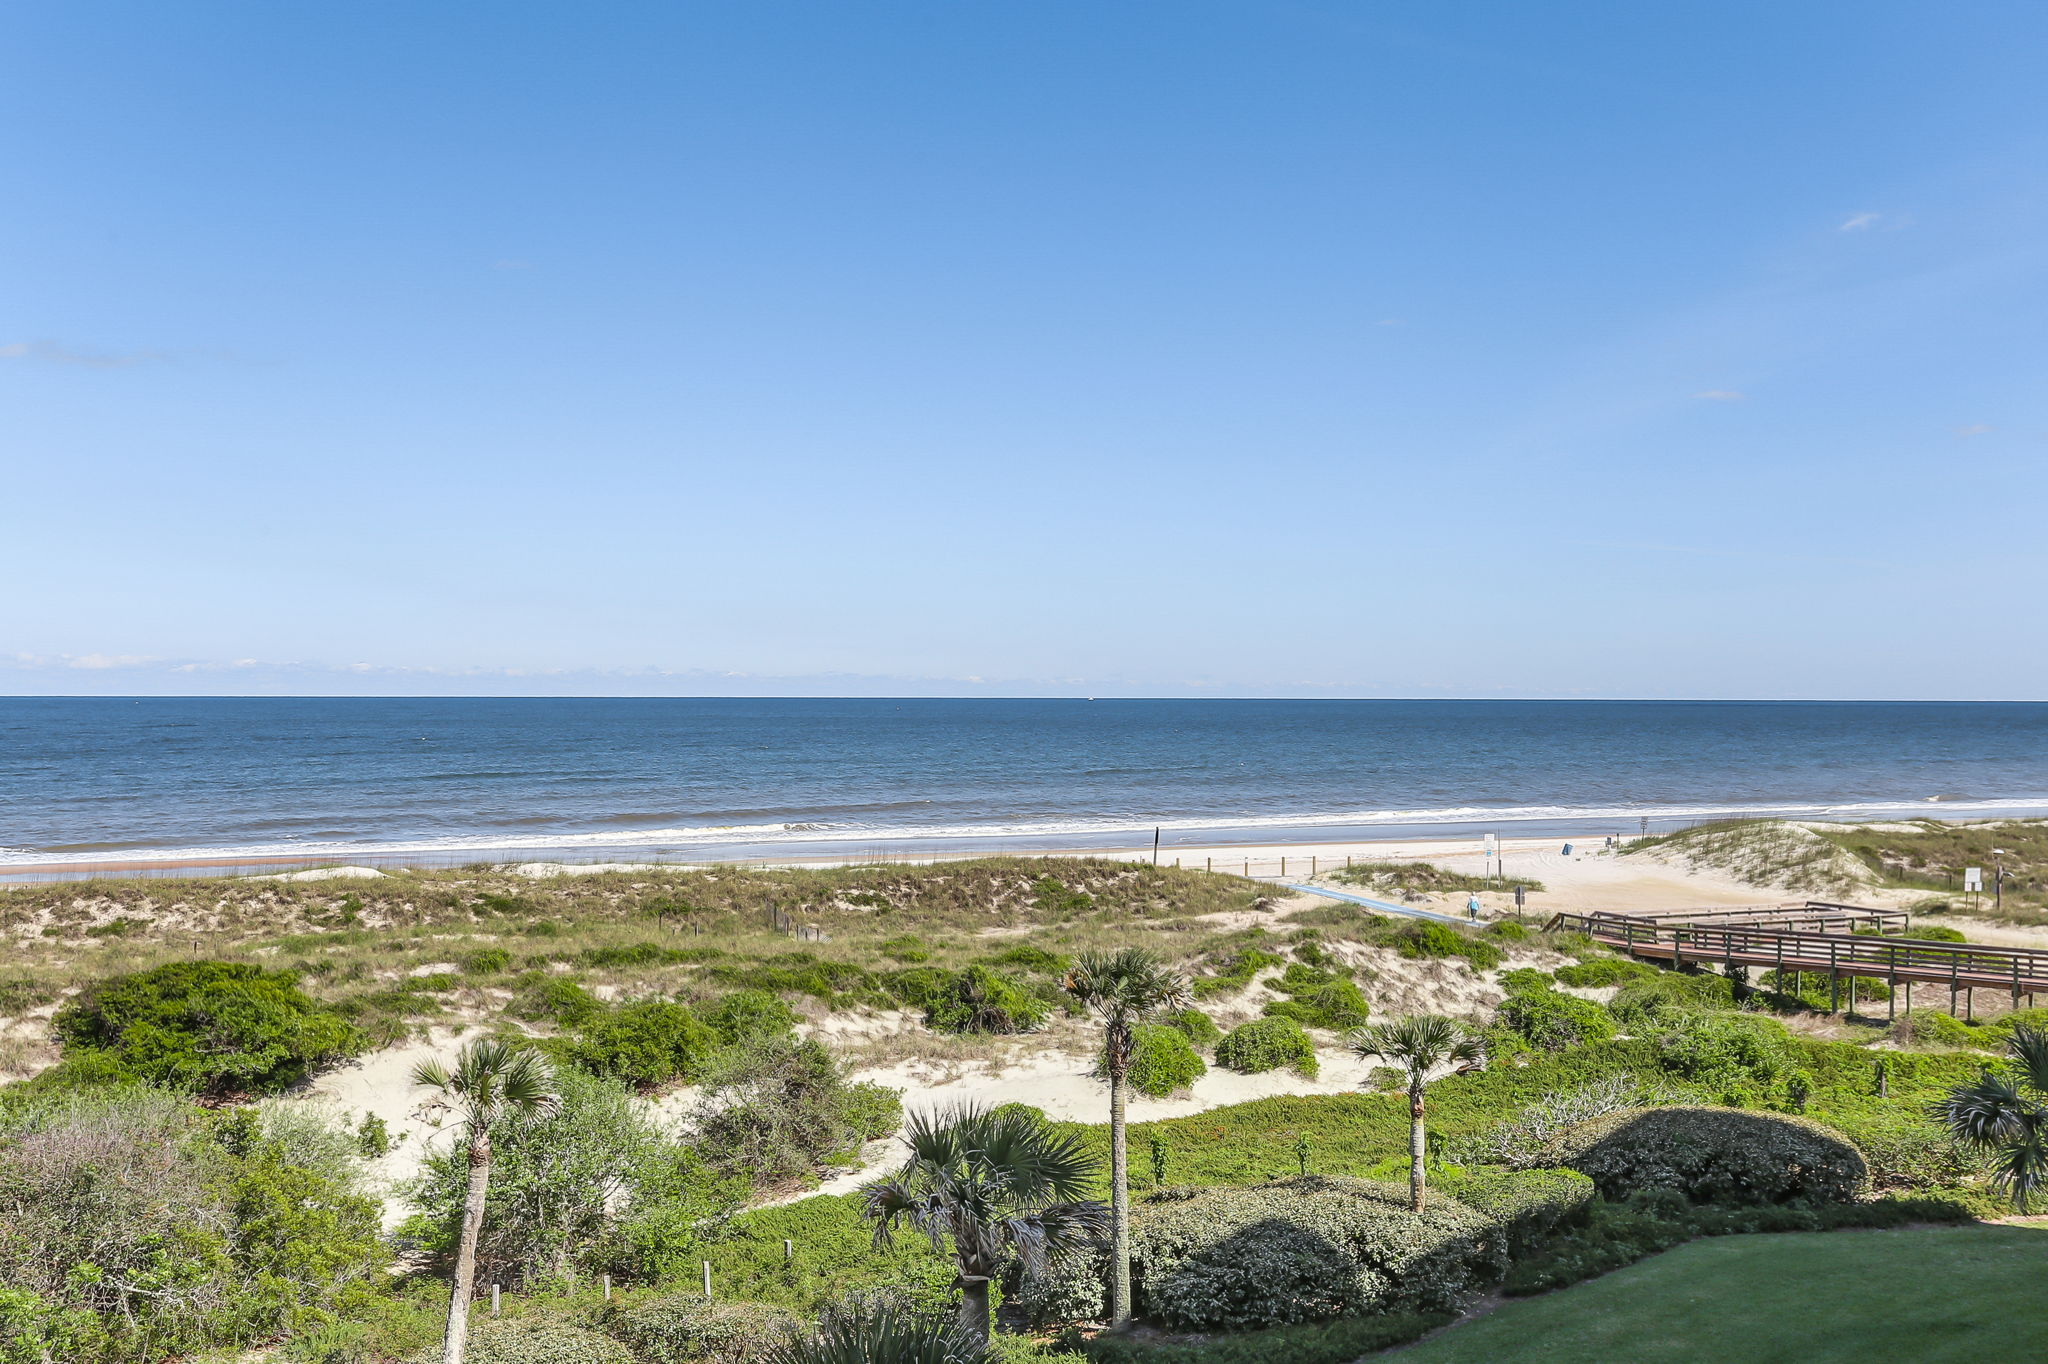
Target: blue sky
x,y
1362,349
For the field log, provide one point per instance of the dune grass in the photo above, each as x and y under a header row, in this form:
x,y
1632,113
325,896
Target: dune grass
x,y
1921,1294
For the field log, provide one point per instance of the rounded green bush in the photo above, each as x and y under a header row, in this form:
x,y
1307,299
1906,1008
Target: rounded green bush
x,y
1267,1044
1424,938
204,1026
751,1013
1928,1028
1162,1061
1555,1021
1306,1250
979,1000
1648,1000
1507,930
521,1340
645,1043
1713,1155
687,1328
1194,1025
1320,999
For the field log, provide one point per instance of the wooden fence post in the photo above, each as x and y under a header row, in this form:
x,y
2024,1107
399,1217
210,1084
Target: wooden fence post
x,y
707,1280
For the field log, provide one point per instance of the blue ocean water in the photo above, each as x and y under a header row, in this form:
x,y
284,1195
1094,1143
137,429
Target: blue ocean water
x,y
111,778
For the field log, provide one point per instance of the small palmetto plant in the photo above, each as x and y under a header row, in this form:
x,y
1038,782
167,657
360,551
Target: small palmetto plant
x,y
988,1184
1418,1045
2006,1115
885,1334
494,1083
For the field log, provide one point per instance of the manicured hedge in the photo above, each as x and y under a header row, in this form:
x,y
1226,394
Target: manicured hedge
x,y
1526,1204
688,1328
1714,1155
1305,1250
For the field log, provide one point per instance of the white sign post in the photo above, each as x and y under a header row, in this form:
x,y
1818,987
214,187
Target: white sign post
x,y
1973,879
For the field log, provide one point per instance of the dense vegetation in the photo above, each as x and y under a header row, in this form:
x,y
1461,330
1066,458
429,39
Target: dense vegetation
x,y
161,1211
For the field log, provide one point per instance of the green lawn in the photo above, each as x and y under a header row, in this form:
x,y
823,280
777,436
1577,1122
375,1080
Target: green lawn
x,y
1968,1293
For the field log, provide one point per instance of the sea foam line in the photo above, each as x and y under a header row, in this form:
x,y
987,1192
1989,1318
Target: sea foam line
x,y
856,833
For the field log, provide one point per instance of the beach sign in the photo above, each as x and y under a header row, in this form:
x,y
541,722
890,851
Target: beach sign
x,y
1973,878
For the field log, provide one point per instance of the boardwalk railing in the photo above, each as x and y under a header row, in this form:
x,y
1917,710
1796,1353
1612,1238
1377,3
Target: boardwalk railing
x,y
1960,966
1813,916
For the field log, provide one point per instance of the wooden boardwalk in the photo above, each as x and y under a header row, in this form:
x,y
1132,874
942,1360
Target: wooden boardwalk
x,y
1699,940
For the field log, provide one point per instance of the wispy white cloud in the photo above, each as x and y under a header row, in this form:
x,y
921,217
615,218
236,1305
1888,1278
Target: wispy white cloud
x,y
1722,395
57,353
87,662
1858,222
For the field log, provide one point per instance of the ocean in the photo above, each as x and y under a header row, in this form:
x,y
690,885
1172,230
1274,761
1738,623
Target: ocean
x,y
450,780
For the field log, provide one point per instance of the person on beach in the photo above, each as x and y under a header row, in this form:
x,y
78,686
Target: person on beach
x,y
1472,906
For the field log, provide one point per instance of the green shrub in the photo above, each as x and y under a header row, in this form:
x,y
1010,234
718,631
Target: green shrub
x,y
908,949
1526,978
1194,1025
1054,897
1507,930
1424,938
1647,1000
1162,1061
488,961
979,1000
918,986
1321,999
1603,971
750,1013
556,999
778,1108
1736,1053
1714,1155
1555,1021
206,1027
596,1186
646,1043
1927,1028
1234,971
529,1340
140,1226
1267,1044
687,1328
1527,1204
1305,1250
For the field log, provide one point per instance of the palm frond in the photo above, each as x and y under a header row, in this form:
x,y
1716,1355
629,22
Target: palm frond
x,y
1986,1112
1058,1230
2028,1045
1126,986
1420,1043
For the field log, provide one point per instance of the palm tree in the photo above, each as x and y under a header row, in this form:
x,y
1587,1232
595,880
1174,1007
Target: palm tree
x,y
495,1083
1419,1045
990,1183
1123,989
2007,1117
